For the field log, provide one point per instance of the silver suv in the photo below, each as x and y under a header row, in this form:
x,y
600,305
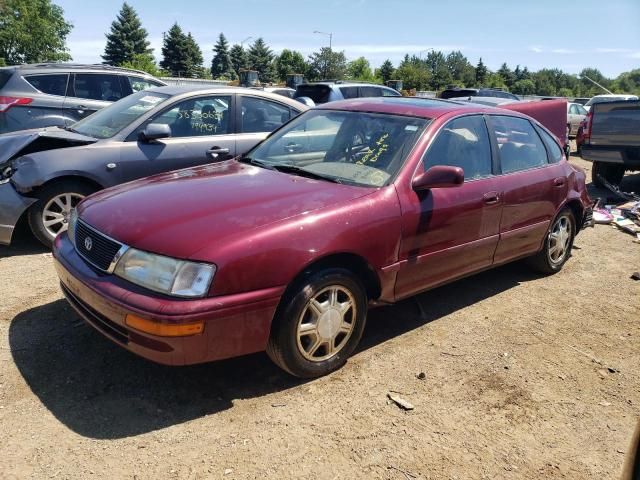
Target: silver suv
x,y
59,94
331,91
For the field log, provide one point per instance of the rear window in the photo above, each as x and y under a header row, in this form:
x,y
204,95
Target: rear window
x,y
317,93
349,92
55,84
5,75
458,93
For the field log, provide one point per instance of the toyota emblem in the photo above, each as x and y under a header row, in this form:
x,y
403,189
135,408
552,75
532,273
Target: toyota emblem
x,y
88,243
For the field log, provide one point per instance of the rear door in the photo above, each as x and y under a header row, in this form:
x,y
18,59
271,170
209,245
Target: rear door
x,y
258,117
533,186
450,232
201,132
89,92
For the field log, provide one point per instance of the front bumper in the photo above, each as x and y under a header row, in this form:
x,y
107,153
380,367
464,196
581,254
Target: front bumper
x,y
234,324
12,206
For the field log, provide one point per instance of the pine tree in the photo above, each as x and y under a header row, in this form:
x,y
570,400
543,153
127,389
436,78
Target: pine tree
x,y
481,73
260,59
175,52
386,71
195,60
221,66
238,58
126,39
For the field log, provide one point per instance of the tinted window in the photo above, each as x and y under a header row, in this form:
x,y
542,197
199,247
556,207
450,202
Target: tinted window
x,y
138,83
349,92
352,147
97,87
317,93
5,75
260,115
519,145
197,117
555,152
370,92
51,84
463,142
387,92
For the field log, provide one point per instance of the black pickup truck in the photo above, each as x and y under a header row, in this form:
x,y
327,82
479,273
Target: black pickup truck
x,y
612,140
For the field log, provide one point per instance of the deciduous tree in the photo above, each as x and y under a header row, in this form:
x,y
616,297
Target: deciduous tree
x,y
33,31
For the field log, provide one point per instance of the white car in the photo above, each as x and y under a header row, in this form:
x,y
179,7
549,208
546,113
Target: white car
x,y
608,98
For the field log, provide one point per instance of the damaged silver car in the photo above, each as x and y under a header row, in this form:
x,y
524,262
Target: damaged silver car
x,y
45,173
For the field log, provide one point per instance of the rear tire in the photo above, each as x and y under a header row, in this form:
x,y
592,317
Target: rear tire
x,y
318,326
612,173
49,215
557,244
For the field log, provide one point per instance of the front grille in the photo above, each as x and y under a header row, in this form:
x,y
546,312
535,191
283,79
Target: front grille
x,y
96,248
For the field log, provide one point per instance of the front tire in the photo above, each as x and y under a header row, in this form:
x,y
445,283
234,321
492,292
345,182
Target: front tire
x,y
48,217
557,244
318,326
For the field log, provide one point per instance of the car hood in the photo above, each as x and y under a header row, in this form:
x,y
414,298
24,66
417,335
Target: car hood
x,y
19,143
179,213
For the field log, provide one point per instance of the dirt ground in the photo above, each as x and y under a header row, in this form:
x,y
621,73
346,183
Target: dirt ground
x,y
526,377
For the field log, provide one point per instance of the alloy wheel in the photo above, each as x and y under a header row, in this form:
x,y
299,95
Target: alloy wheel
x,y
559,240
56,213
326,323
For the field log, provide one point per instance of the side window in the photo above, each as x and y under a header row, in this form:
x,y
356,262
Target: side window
x,y
349,92
51,84
463,142
138,83
573,110
370,92
519,145
555,152
581,110
97,87
197,117
260,115
387,92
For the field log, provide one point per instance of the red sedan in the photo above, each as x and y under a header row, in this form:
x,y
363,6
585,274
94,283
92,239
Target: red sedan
x,y
351,204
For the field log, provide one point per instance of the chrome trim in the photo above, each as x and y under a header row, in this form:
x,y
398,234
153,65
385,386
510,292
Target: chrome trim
x,y
121,251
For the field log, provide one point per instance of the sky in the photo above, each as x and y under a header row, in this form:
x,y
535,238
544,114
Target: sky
x,y
569,34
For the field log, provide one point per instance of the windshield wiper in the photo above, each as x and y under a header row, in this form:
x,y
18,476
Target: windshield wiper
x,y
283,167
258,163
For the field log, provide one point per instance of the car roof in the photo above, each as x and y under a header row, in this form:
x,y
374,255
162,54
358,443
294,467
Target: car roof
x,y
175,90
409,106
66,67
340,83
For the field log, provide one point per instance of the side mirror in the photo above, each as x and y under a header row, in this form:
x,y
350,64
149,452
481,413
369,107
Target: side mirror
x,y
155,131
440,176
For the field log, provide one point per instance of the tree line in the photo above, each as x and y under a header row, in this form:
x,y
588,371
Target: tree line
x,y
36,31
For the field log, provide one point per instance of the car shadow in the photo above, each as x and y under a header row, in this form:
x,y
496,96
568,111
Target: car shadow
x,y
100,390
23,243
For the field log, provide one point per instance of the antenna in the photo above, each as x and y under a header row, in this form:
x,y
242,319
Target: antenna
x,y
597,84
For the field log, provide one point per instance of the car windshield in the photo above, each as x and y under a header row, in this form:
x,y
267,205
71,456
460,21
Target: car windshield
x,y
105,123
356,148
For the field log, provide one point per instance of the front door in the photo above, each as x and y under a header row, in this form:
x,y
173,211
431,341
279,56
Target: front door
x,y
450,232
201,132
533,187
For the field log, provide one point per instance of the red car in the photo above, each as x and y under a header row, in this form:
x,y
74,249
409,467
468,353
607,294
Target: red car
x,y
351,204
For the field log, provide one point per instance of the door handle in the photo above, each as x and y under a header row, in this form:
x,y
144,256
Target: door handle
x,y
217,151
559,182
491,198
293,147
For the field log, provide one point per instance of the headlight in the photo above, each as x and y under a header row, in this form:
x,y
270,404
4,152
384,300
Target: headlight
x,y
165,275
71,226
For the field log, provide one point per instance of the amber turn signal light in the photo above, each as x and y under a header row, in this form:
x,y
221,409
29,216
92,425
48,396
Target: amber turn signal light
x,y
164,329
